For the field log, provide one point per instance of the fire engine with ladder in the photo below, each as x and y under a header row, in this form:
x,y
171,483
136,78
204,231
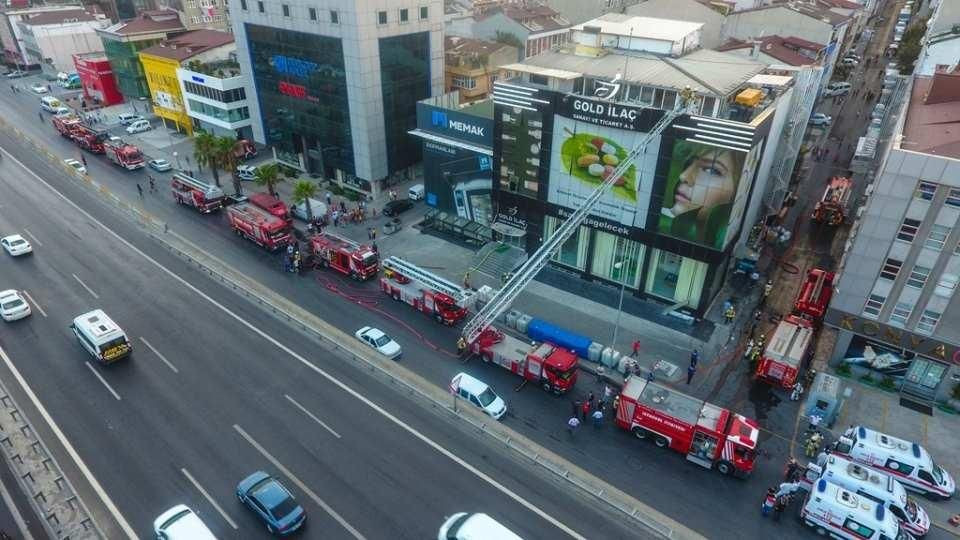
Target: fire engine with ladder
x,y
439,298
832,207
125,155
358,261
66,125
551,367
196,193
89,138
815,294
786,352
259,226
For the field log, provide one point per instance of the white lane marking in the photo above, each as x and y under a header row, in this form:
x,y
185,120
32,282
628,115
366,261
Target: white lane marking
x,y
343,386
35,304
311,415
156,352
209,499
15,512
303,487
34,238
84,285
102,380
71,451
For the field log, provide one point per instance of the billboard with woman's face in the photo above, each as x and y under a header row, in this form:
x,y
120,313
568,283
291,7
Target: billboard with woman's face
x,y
706,187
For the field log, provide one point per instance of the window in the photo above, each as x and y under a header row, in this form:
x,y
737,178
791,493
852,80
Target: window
x,y
890,269
918,276
874,305
925,190
243,5
573,252
424,12
708,104
938,237
858,528
381,17
334,16
646,96
404,15
901,312
312,12
946,285
928,321
286,10
462,81
539,79
908,230
260,6
953,198
899,466
669,100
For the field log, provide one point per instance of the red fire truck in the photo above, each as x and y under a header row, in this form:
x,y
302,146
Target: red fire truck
x,y
786,352
90,139
271,204
358,261
552,367
815,294
125,155
258,226
444,301
196,193
708,435
66,125
832,207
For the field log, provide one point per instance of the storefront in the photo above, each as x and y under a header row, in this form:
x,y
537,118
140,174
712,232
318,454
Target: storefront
x,y
665,229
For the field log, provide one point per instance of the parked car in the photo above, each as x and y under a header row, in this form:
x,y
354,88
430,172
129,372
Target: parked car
x,y
480,394
854,56
77,166
13,306
246,172
838,88
849,62
397,207
299,210
160,165
62,111
380,341
820,119
16,74
16,245
271,502
139,126
181,523
39,89
129,118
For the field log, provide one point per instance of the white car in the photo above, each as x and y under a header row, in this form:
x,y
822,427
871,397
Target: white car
x,y
181,523
139,126
39,89
849,62
128,118
160,165
299,210
820,119
246,172
16,245
379,341
480,394
77,166
13,306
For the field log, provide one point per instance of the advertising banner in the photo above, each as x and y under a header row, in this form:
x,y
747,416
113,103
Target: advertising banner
x,y
521,144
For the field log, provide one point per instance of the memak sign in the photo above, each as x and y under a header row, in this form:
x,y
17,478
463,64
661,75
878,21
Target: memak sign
x,y
455,125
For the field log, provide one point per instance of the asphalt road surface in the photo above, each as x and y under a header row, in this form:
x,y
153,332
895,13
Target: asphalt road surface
x,y
217,389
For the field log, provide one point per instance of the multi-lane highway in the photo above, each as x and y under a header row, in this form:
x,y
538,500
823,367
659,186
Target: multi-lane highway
x,y
216,389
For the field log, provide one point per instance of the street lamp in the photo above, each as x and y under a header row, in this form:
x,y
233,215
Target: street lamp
x,y
623,285
176,156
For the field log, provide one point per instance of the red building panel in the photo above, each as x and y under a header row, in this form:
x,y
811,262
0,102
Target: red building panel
x,y
96,75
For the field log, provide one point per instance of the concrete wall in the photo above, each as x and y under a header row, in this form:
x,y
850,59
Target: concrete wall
x,y
942,52
59,42
685,10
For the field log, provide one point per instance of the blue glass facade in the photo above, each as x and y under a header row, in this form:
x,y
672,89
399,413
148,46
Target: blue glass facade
x,y
404,79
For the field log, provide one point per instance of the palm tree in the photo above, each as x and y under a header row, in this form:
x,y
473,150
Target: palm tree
x,y
303,191
226,158
268,175
204,151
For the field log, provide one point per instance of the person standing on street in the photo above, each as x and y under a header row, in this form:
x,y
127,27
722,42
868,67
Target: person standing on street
x,y
139,190
694,357
572,424
597,419
585,410
636,348
576,407
691,369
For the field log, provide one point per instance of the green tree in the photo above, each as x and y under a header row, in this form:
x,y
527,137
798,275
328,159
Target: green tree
x,y
204,151
910,46
268,176
224,150
303,191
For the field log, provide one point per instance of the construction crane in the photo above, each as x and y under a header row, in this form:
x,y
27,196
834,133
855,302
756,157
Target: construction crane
x,y
501,301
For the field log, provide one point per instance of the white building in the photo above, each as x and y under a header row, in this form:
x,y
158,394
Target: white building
x,y
51,38
215,95
10,31
942,49
632,33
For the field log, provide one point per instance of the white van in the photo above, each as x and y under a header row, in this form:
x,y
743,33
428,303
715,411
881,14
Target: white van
x,y
101,337
416,191
464,526
874,485
907,462
837,88
50,104
480,394
138,125
831,510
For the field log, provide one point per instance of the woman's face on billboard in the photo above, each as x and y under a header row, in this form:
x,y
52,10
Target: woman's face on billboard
x,y
707,182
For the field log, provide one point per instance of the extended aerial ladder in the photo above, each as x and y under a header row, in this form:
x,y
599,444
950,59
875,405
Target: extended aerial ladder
x,y
462,296
501,301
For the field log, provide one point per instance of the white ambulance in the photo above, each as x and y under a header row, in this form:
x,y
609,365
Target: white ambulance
x,y
872,484
907,462
831,510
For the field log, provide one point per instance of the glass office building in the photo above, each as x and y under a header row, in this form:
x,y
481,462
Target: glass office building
x,y
405,80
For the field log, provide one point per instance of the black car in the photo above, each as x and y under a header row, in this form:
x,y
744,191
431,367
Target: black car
x,y
395,208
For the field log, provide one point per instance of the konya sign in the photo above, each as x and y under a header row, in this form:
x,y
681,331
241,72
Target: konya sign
x,y
605,113
898,337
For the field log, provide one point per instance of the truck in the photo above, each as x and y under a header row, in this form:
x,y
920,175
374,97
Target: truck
x,y
551,367
90,138
125,155
66,125
815,294
259,226
273,205
708,435
831,209
360,262
444,301
786,351
196,193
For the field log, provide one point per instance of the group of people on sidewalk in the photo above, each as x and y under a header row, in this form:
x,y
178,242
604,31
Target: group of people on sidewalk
x,y
591,408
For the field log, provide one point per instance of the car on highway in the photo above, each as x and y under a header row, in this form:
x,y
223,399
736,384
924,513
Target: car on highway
x,y
246,172
160,165
479,393
299,210
181,523
467,526
820,119
380,341
139,126
128,118
272,503
39,89
16,245
13,306
77,166
395,208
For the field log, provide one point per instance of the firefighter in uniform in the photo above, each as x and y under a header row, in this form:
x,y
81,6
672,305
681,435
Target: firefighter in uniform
x,y
461,346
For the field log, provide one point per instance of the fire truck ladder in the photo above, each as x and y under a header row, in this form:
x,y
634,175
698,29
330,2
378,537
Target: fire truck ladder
x,y
428,279
818,286
501,301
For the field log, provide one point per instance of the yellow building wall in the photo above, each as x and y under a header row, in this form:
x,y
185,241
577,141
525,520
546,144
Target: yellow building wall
x,y
165,92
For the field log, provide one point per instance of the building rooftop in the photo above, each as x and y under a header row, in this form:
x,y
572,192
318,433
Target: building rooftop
x,y
621,24
189,44
58,17
96,56
782,49
842,4
451,100
464,46
815,12
149,22
534,17
932,124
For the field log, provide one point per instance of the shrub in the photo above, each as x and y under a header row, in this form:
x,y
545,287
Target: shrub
x,y
887,383
867,379
844,370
